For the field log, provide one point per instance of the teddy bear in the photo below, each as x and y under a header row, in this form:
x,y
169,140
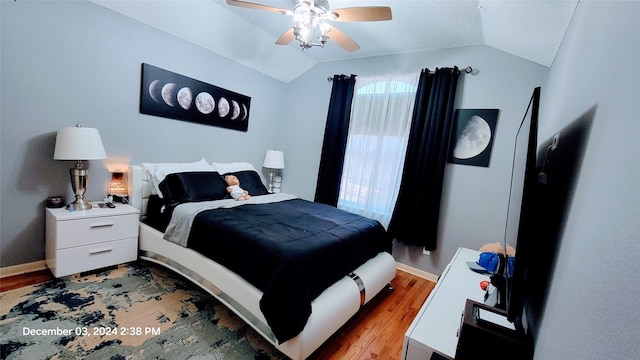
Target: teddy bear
x,y
498,249
234,188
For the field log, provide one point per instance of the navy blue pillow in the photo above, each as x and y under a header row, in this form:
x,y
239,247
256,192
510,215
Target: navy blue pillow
x,y
250,181
193,186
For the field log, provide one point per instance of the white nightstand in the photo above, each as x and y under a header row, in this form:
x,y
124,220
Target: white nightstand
x,y
78,241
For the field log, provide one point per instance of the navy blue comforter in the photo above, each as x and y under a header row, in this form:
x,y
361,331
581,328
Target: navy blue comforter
x,y
290,250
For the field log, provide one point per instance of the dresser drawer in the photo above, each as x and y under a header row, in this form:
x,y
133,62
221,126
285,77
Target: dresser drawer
x,y
89,257
80,232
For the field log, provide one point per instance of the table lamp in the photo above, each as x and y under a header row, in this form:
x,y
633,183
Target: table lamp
x,y
79,143
273,160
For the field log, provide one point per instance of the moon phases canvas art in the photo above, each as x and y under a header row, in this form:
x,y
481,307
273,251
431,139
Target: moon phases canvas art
x,y
473,136
167,94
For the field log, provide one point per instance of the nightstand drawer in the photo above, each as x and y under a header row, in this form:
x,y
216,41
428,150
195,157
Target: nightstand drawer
x,y
80,232
83,258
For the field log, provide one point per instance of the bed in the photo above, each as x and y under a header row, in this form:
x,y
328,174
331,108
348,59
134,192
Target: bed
x,y
185,247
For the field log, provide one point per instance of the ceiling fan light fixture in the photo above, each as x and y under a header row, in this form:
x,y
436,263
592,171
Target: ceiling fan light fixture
x,y
302,32
306,20
324,27
324,30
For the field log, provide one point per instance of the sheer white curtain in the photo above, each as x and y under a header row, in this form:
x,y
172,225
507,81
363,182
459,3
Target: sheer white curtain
x,y
378,131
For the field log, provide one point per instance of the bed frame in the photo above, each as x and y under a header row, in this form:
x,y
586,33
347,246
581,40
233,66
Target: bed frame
x,y
332,309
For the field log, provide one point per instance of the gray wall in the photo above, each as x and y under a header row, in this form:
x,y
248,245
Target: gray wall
x,y
592,309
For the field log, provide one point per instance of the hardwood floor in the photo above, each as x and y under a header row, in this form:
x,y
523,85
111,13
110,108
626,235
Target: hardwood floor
x,y
18,281
376,332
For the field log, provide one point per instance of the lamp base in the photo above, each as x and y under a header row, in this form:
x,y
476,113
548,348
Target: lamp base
x,y
80,205
271,174
79,177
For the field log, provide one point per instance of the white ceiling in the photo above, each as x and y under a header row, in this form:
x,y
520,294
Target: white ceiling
x,y
529,29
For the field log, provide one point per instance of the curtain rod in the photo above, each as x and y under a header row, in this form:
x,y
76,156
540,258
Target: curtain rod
x,y
467,70
330,78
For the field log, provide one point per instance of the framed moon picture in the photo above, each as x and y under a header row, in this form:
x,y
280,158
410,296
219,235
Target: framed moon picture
x,y
473,136
170,95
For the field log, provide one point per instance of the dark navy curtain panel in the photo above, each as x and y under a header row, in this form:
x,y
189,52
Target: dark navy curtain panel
x,y
416,214
335,140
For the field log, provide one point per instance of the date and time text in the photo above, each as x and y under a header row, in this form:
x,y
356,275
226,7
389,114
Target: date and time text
x,y
93,331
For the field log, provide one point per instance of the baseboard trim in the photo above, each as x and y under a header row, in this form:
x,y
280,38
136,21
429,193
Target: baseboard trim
x,y
22,268
417,272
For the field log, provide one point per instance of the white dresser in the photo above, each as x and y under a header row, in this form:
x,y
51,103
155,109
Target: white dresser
x,y
78,241
433,334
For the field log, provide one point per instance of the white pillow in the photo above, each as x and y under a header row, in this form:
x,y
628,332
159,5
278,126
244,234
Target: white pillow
x,y
224,168
156,172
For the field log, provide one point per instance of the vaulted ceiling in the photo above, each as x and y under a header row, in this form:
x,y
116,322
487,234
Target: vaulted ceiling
x,y
529,29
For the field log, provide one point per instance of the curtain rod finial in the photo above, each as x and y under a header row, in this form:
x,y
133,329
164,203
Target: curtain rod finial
x,y
470,70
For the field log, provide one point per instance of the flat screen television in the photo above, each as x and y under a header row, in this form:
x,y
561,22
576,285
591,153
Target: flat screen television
x,y
520,211
548,175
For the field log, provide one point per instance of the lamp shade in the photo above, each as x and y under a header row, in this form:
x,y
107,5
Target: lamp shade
x,y
79,143
274,159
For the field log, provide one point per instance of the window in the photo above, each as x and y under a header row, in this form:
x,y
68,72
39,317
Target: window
x,y
378,131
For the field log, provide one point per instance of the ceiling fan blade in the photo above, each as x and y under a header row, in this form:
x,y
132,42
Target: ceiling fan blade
x,y
364,13
286,38
251,5
342,39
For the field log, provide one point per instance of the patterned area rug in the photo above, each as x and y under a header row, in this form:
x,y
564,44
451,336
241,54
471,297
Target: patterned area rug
x,y
136,311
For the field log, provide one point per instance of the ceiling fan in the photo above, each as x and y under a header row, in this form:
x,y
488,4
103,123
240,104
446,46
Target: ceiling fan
x,y
309,15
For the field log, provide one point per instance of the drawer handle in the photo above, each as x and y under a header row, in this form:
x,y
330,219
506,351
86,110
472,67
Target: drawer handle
x,y
101,225
100,251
